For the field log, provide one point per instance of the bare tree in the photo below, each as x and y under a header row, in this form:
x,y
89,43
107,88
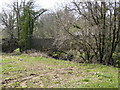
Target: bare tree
x,y
101,35
8,21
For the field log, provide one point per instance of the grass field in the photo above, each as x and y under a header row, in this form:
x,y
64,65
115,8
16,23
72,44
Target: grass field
x,y
24,71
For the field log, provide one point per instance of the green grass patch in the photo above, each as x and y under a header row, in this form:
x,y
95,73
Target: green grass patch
x,y
24,71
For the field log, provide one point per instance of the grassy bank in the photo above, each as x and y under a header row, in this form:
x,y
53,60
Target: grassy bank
x,y
24,71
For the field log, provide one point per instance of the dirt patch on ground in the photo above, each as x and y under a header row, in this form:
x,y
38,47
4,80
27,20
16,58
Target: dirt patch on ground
x,y
35,54
61,75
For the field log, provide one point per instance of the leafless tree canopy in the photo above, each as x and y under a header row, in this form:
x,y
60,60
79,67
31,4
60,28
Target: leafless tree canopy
x,y
92,28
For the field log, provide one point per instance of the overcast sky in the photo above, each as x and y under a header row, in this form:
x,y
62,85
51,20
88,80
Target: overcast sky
x,y
49,4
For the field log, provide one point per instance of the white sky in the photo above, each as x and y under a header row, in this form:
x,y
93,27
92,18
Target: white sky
x,y
49,4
